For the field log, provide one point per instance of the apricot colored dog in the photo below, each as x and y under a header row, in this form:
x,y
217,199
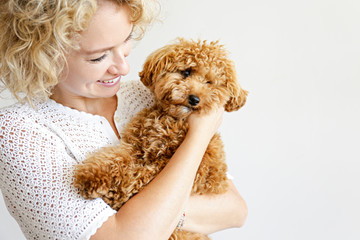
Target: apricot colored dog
x,y
184,77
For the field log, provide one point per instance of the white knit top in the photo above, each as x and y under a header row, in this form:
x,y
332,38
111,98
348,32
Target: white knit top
x,y
38,151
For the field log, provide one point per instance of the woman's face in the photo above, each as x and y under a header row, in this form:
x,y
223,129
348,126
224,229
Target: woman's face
x,y
95,69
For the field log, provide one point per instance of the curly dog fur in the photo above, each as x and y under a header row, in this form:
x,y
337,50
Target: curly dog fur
x,y
184,77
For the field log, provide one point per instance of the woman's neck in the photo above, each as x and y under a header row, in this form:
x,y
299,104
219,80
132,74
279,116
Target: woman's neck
x,y
95,106
104,107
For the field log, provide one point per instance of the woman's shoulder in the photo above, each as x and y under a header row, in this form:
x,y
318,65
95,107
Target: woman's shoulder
x,y
17,112
17,120
23,117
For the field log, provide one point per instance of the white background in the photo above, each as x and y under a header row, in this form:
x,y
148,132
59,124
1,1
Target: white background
x,y
294,147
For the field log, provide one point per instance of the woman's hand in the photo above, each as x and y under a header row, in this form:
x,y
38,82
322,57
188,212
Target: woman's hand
x,y
206,125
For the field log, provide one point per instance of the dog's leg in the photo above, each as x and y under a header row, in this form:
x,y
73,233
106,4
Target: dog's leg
x,y
211,175
114,174
184,235
101,174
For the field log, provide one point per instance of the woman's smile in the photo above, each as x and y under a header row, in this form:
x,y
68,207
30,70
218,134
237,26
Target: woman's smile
x,y
109,83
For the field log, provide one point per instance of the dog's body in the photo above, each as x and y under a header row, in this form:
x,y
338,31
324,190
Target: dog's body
x,y
185,77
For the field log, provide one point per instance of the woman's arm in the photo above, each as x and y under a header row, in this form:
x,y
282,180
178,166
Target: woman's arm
x,y
155,211
210,213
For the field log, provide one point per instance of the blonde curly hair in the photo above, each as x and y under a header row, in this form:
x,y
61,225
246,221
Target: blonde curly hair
x,y
36,34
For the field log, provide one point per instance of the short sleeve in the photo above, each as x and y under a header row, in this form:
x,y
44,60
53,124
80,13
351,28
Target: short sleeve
x,y
36,175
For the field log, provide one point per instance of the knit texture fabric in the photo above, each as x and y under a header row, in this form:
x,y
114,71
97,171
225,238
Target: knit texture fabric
x,y
39,149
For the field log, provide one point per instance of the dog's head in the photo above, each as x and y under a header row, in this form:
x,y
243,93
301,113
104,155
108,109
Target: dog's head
x,y
192,76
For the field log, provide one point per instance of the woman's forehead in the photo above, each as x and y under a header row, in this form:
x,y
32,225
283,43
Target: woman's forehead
x,y
109,27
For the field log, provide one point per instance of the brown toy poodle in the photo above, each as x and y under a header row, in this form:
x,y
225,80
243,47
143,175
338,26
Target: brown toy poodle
x,y
184,77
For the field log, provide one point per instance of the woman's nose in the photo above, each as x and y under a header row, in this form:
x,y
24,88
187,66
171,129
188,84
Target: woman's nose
x,y
120,65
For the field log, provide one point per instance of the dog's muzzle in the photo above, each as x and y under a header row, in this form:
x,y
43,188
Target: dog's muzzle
x,y
194,100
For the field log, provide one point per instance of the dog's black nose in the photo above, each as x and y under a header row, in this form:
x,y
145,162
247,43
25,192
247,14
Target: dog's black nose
x,y
194,100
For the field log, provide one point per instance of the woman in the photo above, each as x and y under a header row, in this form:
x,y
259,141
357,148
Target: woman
x,y
64,61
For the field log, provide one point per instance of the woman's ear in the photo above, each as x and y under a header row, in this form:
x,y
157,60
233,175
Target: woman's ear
x,y
237,94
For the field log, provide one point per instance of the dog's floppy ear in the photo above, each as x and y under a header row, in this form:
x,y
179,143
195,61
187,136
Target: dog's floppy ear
x,y
146,75
153,66
237,94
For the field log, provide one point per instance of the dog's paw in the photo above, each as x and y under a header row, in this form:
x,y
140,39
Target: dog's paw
x,y
92,178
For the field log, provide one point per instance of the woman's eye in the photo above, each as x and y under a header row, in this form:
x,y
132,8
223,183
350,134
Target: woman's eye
x,y
186,72
99,59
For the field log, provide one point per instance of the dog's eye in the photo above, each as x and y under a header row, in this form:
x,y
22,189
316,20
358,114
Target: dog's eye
x,y
209,82
186,72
